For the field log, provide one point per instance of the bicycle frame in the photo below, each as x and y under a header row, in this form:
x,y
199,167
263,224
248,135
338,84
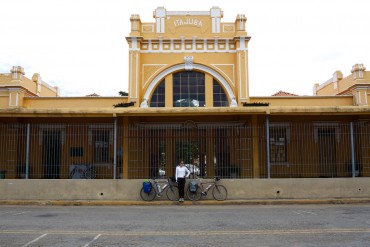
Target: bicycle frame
x,y
158,190
210,186
219,192
161,188
82,171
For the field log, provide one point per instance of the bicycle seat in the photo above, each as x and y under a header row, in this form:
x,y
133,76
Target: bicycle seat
x,y
217,178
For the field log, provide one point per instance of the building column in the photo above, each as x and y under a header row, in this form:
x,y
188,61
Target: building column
x,y
125,147
169,91
242,73
256,168
211,154
134,72
209,90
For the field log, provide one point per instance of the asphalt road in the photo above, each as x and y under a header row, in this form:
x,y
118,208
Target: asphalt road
x,y
186,225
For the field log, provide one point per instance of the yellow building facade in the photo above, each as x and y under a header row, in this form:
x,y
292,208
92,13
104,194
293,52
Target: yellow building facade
x,y
188,98
188,41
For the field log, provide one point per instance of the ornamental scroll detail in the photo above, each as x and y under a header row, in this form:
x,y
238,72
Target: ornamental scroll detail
x,y
188,63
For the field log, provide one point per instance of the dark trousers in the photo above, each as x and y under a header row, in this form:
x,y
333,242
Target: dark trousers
x,y
181,184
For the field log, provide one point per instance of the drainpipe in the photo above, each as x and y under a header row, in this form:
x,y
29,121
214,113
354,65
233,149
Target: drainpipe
x,y
115,148
268,145
27,150
352,150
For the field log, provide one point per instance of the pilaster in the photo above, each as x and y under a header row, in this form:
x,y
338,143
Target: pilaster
x,y
209,90
169,91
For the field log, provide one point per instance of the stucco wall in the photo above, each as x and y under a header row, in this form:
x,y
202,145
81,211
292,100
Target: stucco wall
x,y
35,189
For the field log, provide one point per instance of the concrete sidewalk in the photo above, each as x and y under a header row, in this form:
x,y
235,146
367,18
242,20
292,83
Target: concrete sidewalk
x,y
201,202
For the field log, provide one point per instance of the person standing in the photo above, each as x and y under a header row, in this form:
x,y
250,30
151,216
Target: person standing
x,y
181,173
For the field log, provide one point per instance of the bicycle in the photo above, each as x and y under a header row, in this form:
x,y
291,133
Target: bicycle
x,y
172,192
82,171
219,192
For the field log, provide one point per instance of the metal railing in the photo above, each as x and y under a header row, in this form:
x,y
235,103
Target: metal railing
x,y
228,150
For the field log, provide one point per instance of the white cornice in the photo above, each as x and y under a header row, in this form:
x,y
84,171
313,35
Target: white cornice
x,y
189,51
188,13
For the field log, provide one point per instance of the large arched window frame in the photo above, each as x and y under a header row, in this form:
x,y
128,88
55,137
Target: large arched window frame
x,y
188,89
158,98
219,96
181,67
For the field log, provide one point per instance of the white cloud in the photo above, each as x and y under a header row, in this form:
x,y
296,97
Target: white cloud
x,y
80,46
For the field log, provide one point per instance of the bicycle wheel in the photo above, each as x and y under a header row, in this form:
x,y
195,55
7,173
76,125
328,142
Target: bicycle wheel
x,y
219,192
194,196
147,196
90,174
172,193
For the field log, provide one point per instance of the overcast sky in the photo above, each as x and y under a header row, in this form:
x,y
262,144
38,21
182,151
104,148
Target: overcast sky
x,y
80,46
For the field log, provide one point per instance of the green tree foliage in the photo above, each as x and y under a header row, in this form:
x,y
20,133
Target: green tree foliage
x,y
123,93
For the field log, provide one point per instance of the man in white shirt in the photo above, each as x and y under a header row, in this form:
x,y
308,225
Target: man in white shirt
x,y
181,173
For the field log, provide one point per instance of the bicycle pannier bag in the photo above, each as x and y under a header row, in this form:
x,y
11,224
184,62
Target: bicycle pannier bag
x,y
193,186
147,186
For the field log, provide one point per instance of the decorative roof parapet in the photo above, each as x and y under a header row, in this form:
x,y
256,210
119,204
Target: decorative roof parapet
x,y
17,73
358,71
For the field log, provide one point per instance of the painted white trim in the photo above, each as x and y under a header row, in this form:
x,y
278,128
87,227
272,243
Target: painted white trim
x,y
231,80
187,51
242,44
13,89
158,26
161,45
134,44
11,99
183,45
172,48
218,27
228,25
130,76
49,86
358,98
187,13
147,25
181,67
137,73
143,70
240,73
162,25
214,25
246,76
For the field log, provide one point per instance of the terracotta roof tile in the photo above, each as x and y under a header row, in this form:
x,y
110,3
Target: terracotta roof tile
x,y
282,93
93,95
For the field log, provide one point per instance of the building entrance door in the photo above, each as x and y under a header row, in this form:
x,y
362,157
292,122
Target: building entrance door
x,y
51,158
191,148
327,152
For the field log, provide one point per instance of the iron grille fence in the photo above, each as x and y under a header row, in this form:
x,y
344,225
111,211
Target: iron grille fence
x,y
60,151
208,150
143,150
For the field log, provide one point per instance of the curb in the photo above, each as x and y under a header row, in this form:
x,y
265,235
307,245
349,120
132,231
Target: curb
x,y
187,203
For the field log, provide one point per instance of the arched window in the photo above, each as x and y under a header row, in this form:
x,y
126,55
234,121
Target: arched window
x,y
188,89
219,96
158,97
